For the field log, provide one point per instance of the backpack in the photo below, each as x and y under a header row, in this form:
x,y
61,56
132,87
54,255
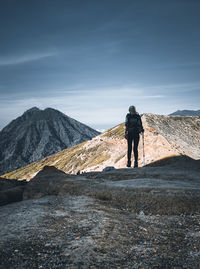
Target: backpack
x,y
134,124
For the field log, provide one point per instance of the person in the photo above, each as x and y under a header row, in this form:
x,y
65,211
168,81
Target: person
x,y
133,128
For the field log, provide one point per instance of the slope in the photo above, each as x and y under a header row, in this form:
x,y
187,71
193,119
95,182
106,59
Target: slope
x,y
164,137
37,134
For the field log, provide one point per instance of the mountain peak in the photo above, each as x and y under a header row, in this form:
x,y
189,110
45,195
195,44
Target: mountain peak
x,y
52,110
37,134
186,113
32,110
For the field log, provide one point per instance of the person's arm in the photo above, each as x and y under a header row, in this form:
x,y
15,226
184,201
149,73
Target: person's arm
x,y
126,122
126,127
141,129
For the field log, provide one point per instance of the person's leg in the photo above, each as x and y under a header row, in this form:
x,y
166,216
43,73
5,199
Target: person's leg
x,y
136,142
129,141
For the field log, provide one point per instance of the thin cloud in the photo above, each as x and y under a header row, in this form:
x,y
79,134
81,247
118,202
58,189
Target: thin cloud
x,y
14,60
151,96
181,87
97,108
101,107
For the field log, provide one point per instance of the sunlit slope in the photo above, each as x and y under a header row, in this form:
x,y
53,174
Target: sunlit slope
x,y
164,136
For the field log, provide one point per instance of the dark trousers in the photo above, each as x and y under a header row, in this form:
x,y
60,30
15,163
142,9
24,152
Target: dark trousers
x,y
133,141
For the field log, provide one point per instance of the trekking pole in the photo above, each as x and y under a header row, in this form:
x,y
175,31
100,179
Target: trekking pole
x,y
143,149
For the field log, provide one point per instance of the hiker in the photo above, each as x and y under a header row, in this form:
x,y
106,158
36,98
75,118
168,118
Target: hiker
x,y
133,129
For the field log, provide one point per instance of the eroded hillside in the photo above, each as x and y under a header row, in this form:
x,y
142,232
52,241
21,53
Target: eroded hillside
x,y
38,134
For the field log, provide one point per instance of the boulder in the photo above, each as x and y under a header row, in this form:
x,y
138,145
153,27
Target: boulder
x,y
49,181
108,169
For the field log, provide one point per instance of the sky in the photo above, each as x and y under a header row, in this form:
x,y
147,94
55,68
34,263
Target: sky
x,y
92,59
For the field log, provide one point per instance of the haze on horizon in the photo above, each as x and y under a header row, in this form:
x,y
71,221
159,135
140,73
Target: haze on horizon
x,y
93,59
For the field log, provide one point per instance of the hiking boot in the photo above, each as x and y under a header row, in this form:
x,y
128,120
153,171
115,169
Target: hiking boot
x,y
128,164
135,165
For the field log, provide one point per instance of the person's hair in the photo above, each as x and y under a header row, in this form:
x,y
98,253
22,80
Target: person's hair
x,y
132,108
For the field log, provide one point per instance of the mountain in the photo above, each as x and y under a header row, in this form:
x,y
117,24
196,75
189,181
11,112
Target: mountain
x,y
186,113
165,136
37,134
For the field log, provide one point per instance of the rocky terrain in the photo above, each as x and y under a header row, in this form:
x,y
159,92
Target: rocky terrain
x,y
164,137
147,217
11,190
37,134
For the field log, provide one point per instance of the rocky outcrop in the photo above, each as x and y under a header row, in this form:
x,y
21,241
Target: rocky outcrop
x,y
49,181
11,195
6,184
162,188
175,135
37,134
122,218
11,190
178,161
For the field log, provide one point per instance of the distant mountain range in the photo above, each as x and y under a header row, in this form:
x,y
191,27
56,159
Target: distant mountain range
x,y
164,136
37,134
186,113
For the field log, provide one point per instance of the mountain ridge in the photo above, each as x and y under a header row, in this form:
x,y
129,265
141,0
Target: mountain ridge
x,y
165,136
186,112
37,134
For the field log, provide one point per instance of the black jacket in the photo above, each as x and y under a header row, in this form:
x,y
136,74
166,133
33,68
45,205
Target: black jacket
x,y
133,123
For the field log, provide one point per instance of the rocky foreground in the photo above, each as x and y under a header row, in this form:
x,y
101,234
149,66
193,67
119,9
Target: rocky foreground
x,y
124,218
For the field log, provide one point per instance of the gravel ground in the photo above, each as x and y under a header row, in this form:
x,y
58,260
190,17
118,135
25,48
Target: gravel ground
x,y
82,232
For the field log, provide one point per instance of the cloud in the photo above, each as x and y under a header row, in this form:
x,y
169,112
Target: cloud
x,y
101,107
20,59
173,87
150,96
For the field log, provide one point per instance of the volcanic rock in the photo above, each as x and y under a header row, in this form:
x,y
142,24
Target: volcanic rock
x,y
152,189
11,190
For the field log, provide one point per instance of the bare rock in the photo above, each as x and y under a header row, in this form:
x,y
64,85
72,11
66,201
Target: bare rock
x,y
11,190
48,181
108,168
10,183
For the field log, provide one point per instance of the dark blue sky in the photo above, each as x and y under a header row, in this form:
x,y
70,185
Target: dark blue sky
x,y
92,59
